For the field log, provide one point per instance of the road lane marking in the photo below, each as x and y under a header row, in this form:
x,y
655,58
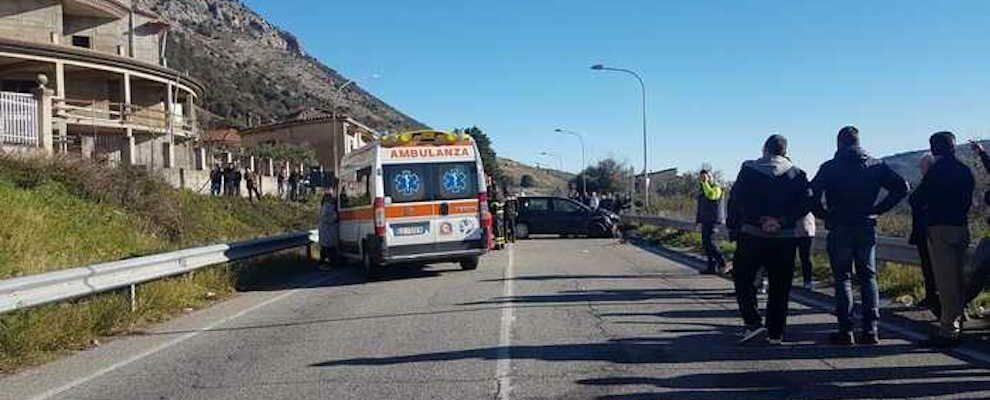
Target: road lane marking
x,y
138,357
504,368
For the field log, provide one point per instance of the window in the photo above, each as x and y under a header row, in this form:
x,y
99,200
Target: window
x,y
81,41
427,182
456,181
566,206
407,183
354,189
536,205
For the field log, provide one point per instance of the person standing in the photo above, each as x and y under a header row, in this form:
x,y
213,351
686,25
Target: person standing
x,y
594,201
216,180
850,184
919,238
251,178
709,215
280,182
806,230
293,185
238,176
228,180
329,228
946,192
767,201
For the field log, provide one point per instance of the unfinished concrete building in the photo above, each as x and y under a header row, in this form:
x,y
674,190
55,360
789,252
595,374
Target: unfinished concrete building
x,y
90,77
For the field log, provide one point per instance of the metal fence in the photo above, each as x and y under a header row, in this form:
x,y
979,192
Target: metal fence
x,y
35,290
18,119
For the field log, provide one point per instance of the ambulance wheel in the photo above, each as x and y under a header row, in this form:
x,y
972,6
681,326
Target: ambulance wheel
x,y
522,231
470,263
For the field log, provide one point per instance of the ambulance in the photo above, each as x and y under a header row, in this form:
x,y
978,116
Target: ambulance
x,y
414,197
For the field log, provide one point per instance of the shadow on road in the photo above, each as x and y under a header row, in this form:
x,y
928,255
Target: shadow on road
x,y
613,295
828,384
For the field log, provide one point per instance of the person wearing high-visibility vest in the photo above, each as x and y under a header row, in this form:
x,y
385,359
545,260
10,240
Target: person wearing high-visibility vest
x,y
710,214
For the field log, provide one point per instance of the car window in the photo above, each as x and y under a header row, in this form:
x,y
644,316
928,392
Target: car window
x,y
456,181
407,183
535,205
354,189
566,206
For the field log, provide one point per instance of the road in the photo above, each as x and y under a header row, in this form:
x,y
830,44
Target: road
x,y
548,319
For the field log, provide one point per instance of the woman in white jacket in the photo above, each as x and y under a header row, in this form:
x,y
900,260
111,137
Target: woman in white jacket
x,y
805,232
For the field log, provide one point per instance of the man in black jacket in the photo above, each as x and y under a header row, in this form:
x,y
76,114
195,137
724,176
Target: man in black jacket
x,y
850,184
710,214
946,192
768,200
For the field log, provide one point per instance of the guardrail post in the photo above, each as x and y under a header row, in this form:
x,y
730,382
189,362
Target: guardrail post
x,y
133,297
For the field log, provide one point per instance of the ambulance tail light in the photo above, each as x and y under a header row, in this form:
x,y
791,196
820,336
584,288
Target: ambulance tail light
x,y
380,216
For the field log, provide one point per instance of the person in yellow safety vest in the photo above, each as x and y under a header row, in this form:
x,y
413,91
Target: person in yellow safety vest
x,y
710,214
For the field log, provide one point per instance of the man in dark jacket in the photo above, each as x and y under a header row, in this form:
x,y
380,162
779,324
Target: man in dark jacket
x,y
919,238
710,214
216,180
850,184
768,200
946,192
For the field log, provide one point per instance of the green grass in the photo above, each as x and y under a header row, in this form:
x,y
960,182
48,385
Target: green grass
x,y
61,212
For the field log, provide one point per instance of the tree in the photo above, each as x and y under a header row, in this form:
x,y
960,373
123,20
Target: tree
x,y
488,156
283,152
608,176
527,181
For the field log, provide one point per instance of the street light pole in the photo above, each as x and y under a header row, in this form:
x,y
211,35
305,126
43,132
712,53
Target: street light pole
x,y
560,159
584,161
646,176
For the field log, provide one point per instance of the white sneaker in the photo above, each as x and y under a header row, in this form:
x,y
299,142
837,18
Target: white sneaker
x,y
774,342
751,333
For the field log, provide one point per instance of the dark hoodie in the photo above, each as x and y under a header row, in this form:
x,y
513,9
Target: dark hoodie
x,y
850,184
768,187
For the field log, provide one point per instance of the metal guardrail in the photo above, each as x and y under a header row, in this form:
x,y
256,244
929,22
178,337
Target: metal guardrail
x,y
888,248
35,290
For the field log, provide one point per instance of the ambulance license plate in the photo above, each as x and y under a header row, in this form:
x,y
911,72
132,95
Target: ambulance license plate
x,y
409,230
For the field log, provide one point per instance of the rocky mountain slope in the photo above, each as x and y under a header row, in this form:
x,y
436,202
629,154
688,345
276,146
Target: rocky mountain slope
x,y
544,181
257,73
906,164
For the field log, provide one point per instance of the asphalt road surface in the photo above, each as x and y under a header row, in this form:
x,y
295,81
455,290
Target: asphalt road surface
x,y
547,319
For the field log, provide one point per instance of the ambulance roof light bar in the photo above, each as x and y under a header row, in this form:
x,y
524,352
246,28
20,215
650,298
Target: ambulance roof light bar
x,y
425,138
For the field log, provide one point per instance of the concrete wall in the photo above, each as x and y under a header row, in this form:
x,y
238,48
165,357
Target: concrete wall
x,y
147,40
31,20
105,34
317,136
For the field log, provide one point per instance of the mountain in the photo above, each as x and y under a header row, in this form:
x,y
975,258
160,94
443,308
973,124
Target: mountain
x,y
256,72
544,181
906,164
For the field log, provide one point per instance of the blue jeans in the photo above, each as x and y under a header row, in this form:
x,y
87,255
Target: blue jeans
x,y
848,245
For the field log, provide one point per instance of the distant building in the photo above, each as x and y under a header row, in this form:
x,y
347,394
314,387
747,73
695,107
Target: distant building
x,y
317,129
110,94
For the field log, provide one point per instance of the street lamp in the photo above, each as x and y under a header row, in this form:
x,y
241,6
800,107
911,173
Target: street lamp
x,y
560,159
584,163
646,176
333,123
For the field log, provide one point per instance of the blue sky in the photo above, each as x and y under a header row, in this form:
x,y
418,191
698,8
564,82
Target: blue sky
x,y
720,75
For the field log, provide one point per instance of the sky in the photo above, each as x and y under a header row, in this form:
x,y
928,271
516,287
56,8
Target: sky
x,y
720,76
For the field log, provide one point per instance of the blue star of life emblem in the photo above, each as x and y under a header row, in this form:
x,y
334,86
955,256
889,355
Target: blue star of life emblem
x,y
407,183
455,181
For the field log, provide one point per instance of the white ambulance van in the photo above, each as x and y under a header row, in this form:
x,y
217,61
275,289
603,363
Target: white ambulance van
x,y
414,197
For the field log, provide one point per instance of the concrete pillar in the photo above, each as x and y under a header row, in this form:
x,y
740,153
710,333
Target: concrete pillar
x,y
127,97
201,159
229,158
60,79
168,153
128,154
251,165
270,167
44,97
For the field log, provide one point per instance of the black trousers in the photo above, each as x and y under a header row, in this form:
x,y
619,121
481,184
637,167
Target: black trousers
x,y
715,258
777,257
931,291
804,253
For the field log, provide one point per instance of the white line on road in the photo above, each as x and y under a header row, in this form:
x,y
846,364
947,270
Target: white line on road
x,y
504,368
61,389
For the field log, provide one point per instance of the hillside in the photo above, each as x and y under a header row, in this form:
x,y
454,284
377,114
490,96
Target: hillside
x,y
545,181
907,163
255,71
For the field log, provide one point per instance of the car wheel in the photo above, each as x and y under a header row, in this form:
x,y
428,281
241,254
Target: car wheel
x,y
522,231
599,230
470,263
